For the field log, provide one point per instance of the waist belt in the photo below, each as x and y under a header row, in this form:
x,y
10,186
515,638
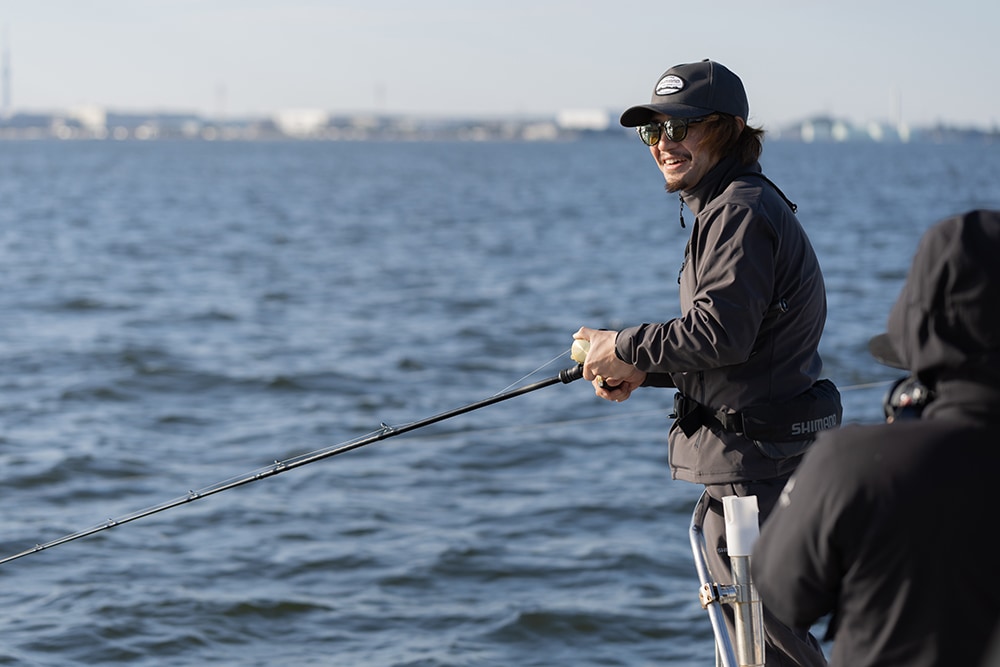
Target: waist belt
x,y
816,409
692,415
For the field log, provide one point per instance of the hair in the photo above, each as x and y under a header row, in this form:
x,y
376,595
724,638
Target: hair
x,y
723,136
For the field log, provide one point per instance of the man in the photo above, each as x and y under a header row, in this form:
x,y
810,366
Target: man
x,y
882,526
743,352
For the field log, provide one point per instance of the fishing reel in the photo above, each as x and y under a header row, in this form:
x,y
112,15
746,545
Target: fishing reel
x,y
906,400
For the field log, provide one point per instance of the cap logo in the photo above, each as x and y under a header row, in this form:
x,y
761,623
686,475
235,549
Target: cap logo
x,y
669,85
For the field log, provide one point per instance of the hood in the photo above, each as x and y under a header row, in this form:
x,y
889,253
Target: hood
x,y
946,321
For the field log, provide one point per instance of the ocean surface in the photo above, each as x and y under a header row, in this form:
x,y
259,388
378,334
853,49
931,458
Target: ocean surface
x,y
175,315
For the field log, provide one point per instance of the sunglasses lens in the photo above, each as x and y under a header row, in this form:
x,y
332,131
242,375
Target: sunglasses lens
x,y
676,129
650,134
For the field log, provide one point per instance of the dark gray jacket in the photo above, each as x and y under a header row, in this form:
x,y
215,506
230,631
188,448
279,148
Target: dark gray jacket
x,y
753,308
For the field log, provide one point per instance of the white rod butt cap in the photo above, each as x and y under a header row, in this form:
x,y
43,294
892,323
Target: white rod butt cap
x,y
742,528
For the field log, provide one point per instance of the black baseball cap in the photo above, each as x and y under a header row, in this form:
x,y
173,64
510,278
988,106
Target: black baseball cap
x,y
692,90
947,316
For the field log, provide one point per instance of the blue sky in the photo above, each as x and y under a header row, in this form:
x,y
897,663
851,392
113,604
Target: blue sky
x,y
921,61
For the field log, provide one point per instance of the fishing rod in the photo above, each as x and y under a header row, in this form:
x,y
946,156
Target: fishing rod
x,y
565,376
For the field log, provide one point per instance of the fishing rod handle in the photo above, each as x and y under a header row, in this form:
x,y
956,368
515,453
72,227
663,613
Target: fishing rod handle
x,y
571,374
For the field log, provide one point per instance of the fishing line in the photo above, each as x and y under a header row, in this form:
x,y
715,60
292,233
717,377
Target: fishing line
x,y
386,431
866,385
537,370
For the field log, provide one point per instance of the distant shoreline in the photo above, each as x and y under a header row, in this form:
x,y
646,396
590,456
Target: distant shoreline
x,y
96,124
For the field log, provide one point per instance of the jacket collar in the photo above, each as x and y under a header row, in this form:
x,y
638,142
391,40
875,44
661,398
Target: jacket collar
x,y
715,181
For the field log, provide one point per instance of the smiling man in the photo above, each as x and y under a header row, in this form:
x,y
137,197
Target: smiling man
x,y
743,351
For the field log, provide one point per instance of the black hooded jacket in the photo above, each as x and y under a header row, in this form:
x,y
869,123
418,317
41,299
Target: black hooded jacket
x,y
887,527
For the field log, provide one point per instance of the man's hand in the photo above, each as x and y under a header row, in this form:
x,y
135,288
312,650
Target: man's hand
x,y
613,379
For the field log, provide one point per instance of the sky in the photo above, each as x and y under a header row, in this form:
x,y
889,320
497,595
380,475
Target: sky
x,y
913,61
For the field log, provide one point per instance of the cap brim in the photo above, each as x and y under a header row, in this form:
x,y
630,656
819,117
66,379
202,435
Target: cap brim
x,y
884,353
643,113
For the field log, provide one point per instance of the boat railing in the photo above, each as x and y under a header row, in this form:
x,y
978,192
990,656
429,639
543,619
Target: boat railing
x,y
746,649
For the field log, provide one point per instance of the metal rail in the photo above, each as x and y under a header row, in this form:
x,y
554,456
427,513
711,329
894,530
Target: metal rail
x,y
749,641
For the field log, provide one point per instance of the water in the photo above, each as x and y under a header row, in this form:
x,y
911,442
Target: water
x,y
176,314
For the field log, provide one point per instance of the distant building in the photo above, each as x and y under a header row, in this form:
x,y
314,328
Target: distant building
x,y
92,119
828,129
583,119
301,123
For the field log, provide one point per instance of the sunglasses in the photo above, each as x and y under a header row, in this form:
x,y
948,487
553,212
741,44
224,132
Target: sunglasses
x,y
675,129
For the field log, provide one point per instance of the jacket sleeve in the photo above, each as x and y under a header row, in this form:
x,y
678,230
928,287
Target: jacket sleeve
x,y
726,288
659,380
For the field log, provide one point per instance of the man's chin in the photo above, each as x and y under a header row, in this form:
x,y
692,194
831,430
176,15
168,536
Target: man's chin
x,y
674,185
